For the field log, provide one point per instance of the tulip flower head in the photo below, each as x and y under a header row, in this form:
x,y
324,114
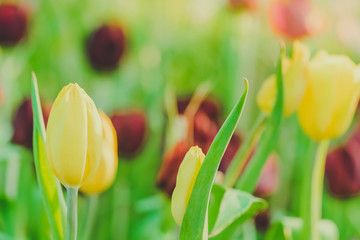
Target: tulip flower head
x,y
294,19
106,46
13,24
342,169
73,136
105,173
331,96
185,181
131,130
294,82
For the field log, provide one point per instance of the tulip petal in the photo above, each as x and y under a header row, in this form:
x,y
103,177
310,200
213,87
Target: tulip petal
x,y
106,171
94,138
185,180
67,135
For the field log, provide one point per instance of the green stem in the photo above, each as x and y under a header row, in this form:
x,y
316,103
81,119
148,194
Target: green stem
x,y
71,230
237,165
93,203
317,190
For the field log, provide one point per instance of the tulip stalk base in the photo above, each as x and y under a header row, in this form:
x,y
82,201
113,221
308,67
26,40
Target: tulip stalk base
x,y
317,190
71,231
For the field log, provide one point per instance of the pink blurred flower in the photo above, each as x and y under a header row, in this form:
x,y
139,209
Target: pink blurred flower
x,y
294,19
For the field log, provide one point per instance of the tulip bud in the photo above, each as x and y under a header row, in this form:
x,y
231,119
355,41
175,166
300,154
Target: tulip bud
x,y
105,174
13,24
166,179
73,136
185,181
331,96
294,19
106,46
23,123
242,4
294,82
131,131
342,170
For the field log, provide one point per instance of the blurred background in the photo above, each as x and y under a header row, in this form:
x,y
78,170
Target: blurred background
x,y
141,62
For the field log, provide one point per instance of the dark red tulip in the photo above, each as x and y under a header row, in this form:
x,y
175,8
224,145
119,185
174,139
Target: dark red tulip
x,y
243,4
342,170
131,129
23,123
204,127
106,46
293,19
209,106
166,179
13,24
262,221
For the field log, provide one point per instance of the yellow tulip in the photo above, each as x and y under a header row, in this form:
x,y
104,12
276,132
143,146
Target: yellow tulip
x,y
105,174
331,96
185,181
73,136
294,82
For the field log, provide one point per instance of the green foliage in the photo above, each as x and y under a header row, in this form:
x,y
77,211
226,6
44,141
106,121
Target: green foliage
x,y
230,205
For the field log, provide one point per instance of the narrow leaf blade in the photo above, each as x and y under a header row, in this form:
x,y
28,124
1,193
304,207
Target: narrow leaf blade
x,y
48,184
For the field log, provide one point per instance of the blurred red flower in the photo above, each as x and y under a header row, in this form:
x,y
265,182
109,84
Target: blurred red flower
x,y
294,19
23,123
13,23
106,46
166,179
342,169
131,129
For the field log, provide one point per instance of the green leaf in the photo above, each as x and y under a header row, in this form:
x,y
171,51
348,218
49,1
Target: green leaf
x,y
249,179
49,186
233,205
194,225
278,231
291,228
